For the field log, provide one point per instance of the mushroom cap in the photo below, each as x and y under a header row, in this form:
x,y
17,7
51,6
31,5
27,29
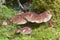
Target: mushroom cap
x,y
25,30
43,17
18,19
30,16
6,22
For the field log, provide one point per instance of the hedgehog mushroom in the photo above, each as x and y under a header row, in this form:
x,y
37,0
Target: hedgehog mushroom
x,y
18,19
43,17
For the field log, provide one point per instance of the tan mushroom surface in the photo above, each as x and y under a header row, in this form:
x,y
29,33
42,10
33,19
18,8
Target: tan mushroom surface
x,y
37,18
18,19
24,30
43,17
32,17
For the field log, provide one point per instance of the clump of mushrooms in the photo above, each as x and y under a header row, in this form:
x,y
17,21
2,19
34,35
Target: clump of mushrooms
x,y
30,17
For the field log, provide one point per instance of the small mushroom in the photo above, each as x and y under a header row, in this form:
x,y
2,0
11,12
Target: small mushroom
x,y
24,30
51,23
18,19
6,22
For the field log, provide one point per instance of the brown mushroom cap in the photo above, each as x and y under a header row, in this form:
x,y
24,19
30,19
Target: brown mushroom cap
x,y
37,18
18,19
30,16
24,30
43,17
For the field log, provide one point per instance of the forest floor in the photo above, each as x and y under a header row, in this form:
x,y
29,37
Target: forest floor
x,y
41,32
44,31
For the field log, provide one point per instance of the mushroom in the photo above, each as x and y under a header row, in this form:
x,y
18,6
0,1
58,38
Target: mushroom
x,y
6,22
37,18
30,16
18,19
43,17
24,30
51,23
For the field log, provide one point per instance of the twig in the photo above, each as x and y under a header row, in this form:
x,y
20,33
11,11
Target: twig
x,y
20,5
